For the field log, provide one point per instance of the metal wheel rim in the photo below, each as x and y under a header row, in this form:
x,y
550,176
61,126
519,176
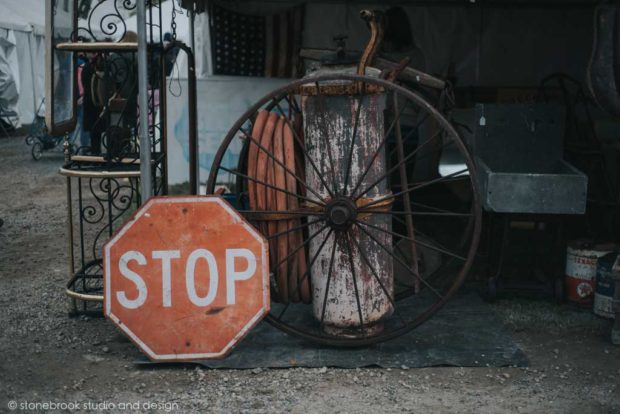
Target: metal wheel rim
x,y
476,206
37,151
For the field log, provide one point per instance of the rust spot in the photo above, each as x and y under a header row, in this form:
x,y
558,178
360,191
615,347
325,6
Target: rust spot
x,y
215,311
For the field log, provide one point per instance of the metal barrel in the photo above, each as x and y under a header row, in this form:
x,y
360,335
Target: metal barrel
x,y
605,285
352,302
581,261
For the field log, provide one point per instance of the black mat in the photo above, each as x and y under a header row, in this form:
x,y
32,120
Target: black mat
x,y
465,333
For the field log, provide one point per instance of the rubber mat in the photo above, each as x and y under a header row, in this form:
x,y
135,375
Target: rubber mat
x,y
465,333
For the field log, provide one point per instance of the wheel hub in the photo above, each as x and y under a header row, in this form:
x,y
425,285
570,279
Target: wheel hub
x,y
340,213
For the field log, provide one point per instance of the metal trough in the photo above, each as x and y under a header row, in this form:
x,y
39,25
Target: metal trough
x,y
518,150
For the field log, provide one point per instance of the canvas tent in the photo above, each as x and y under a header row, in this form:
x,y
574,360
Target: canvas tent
x,y
22,51
22,56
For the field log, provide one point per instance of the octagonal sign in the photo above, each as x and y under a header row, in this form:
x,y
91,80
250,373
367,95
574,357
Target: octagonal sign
x,y
186,278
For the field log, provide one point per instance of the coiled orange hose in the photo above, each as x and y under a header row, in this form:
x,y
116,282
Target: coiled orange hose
x,y
274,134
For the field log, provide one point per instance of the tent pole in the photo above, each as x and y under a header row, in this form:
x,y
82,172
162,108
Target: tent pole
x,y
192,18
32,74
146,188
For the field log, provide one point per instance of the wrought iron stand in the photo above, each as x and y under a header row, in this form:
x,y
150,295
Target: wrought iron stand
x,y
103,179
104,198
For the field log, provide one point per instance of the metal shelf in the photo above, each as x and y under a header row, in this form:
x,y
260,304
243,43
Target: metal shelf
x,y
98,47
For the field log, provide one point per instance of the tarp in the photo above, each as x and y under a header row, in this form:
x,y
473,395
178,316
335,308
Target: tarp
x,y
23,15
465,333
22,56
9,84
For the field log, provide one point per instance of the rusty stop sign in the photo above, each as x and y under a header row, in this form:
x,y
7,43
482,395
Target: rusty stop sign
x,y
186,278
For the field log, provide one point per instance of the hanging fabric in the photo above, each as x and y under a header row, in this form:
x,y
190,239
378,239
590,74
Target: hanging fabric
x,y
255,45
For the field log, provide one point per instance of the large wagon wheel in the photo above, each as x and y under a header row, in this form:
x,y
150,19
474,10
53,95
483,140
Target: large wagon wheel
x,y
383,206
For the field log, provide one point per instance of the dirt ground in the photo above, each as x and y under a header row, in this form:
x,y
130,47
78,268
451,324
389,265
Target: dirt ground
x,y
49,358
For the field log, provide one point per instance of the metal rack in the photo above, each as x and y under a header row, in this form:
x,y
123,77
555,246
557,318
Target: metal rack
x,y
103,181
103,198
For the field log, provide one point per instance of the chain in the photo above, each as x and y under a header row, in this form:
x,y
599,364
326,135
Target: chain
x,y
173,23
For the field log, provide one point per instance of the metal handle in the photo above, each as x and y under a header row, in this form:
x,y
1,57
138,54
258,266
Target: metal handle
x,y
373,18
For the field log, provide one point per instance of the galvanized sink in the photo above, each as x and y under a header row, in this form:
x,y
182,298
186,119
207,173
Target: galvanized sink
x,y
518,150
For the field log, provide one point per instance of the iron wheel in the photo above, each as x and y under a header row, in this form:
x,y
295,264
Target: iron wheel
x,y
365,202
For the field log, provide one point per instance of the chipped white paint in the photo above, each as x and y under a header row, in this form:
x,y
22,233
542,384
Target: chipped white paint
x,y
337,119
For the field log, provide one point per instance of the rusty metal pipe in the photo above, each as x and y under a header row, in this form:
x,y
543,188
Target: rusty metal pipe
x,y
193,112
404,182
372,18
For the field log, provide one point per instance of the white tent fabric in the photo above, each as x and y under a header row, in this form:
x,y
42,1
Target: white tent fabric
x,y
22,50
23,15
9,84
22,56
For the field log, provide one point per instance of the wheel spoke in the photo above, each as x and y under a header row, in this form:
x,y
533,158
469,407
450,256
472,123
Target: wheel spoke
x,y
415,213
420,278
435,209
308,269
269,214
318,203
300,227
350,155
357,295
413,240
329,278
447,180
254,188
401,221
407,201
417,187
381,145
395,167
376,276
325,135
439,245
432,209
292,103
304,244
423,235
303,148
425,156
281,164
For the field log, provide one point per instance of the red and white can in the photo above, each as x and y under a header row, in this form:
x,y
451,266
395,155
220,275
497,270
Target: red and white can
x,y
581,260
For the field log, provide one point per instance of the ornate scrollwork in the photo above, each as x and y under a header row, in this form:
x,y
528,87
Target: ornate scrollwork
x,y
106,20
105,204
104,199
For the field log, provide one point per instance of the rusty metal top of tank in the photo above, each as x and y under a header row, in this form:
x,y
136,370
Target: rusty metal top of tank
x,y
340,87
353,88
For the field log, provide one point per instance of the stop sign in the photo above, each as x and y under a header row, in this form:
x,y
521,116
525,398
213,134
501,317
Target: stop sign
x,y
186,278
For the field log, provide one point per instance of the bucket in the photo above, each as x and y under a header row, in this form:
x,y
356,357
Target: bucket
x,y
605,284
581,259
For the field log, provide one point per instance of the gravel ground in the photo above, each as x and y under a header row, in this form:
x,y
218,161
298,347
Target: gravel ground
x,y
49,358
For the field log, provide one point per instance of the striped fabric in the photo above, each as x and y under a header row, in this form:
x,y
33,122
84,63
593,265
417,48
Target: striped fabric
x,y
255,45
